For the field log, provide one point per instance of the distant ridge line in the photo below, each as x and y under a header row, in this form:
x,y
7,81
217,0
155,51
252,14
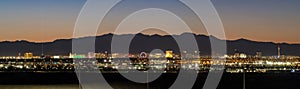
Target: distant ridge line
x,y
147,35
146,43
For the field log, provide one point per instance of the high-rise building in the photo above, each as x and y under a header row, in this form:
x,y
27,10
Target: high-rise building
x,y
236,53
71,55
184,54
28,55
169,54
258,55
91,55
243,55
196,54
19,54
278,51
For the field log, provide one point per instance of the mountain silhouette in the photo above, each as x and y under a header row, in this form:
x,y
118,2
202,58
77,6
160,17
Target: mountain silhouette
x,y
146,43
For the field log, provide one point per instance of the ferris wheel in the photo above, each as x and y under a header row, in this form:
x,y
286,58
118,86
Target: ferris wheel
x,y
143,55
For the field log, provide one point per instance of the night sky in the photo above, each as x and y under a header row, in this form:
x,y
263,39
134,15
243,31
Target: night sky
x,y
47,20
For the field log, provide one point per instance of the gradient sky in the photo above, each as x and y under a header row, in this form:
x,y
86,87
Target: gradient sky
x,y
47,20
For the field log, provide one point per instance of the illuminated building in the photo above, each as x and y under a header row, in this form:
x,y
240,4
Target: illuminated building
x,y
28,55
258,55
236,53
196,54
100,55
242,55
56,57
184,54
91,55
225,56
278,51
156,55
71,55
19,56
79,56
115,55
76,55
143,55
169,54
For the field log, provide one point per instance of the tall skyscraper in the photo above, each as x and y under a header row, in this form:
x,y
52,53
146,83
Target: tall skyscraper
x,y
169,54
278,51
258,54
28,55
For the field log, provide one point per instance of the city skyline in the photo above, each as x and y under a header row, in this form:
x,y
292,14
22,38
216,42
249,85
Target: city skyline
x,y
146,43
153,44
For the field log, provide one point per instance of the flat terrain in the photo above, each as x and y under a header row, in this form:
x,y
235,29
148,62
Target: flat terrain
x,y
68,80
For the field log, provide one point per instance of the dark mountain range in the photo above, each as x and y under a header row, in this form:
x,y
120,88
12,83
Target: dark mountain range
x,y
142,42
